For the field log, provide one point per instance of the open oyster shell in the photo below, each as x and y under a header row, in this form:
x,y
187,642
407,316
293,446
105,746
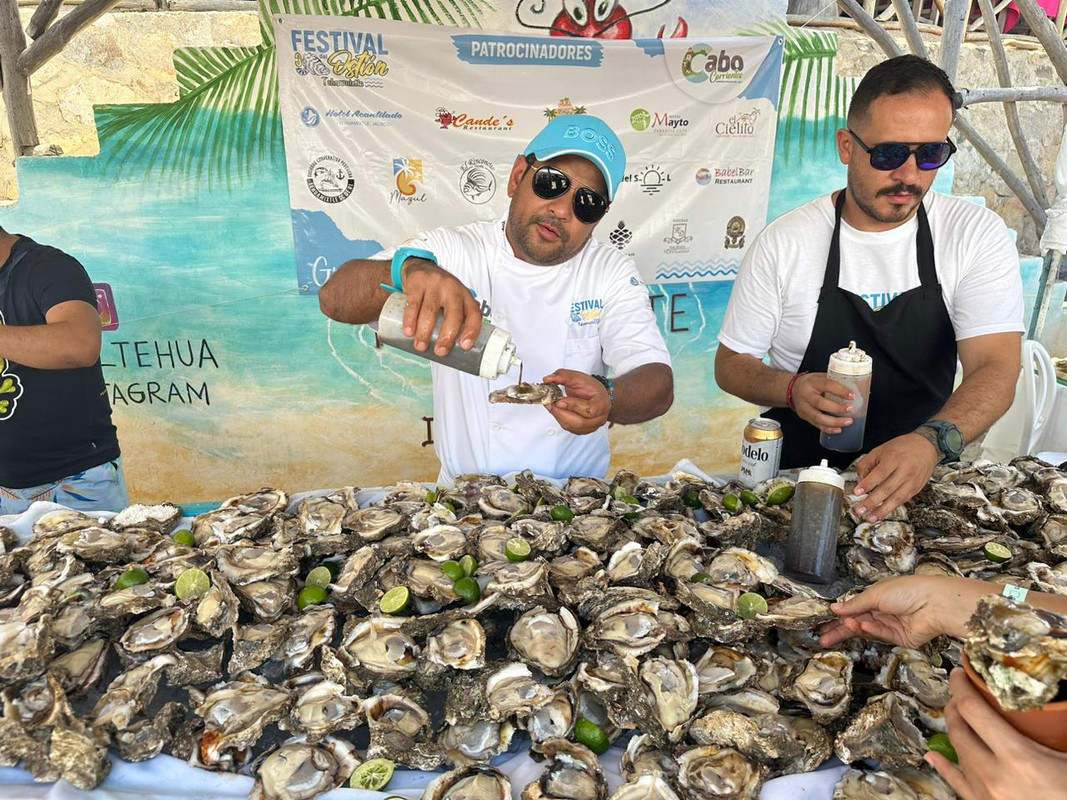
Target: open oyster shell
x,y
544,394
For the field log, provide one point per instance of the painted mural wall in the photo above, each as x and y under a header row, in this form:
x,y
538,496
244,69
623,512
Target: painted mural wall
x,y
224,376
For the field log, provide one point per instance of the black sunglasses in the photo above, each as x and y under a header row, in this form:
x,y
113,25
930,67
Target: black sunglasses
x,y
550,183
888,156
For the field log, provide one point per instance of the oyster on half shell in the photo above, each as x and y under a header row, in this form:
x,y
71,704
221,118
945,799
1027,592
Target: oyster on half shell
x,y
544,394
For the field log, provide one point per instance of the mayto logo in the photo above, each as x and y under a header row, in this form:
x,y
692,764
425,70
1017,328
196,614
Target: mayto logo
x,y
310,117
734,175
700,63
678,241
586,312
341,58
742,125
450,119
735,233
651,179
564,108
477,182
703,176
621,236
330,179
409,180
642,120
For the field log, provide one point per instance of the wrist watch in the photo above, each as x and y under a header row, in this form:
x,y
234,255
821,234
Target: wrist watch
x,y
945,436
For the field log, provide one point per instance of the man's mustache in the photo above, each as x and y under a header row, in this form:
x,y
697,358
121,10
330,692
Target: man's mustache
x,y
902,188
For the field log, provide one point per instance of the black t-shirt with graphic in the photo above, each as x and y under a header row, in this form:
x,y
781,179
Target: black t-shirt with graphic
x,y
53,422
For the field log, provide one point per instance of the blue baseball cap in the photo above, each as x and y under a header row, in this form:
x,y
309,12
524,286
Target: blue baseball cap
x,y
586,136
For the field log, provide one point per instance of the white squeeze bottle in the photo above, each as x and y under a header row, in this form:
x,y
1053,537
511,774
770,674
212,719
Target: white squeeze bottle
x,y
492,355
853,368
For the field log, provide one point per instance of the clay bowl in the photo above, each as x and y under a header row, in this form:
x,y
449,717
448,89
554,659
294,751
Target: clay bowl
x,y
1046,725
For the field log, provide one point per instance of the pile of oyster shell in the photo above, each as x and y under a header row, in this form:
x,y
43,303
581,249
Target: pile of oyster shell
x,y
604,622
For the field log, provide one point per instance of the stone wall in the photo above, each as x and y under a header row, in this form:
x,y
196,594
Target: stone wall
x,y
127,58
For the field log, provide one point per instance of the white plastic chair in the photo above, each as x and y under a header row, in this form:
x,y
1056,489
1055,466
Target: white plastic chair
x,y
1019,430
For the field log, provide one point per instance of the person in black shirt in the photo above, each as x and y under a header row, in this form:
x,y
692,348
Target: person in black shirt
x,y
57,442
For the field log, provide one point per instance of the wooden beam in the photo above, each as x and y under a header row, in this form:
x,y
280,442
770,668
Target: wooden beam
x,y
1044,94
16,84
952,37
1045,32
911,29
1000,61
57,36
869,26
42,17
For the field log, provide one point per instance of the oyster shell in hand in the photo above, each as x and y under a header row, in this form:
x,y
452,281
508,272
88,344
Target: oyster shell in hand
x,y
544,394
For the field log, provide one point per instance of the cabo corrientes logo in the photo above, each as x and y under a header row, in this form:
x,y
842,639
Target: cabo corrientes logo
x,y
409,182
330,179
477,181
340,58
740,125
469,122
661,122
701,63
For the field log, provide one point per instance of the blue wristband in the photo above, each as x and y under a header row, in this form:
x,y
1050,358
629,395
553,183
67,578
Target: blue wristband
x,y
401,255
607,385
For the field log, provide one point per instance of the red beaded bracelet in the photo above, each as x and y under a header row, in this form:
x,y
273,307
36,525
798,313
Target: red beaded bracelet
x,y
789,391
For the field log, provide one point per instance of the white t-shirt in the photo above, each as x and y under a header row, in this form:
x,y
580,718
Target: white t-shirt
x,y
775,297
591,314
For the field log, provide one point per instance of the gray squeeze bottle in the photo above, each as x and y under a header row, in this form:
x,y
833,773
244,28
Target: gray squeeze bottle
x,y
811,551
492,355
851,367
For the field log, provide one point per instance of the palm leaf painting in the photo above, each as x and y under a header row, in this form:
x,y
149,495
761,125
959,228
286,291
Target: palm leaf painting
x,y
812,99
225,120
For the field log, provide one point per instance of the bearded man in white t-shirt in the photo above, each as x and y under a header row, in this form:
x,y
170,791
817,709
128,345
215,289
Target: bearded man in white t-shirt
x,y
577,310
914,277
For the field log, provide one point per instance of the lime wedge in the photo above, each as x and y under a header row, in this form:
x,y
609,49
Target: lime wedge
x,y
310,595
780,494
589,734
730,502
996,552
184,537
700,577
192,583
517,549
469,564
561,513
691,497
468,590
373,775
453,569
618,493
395,600
320,576
134,576
750,604
749,498
940,743
431,497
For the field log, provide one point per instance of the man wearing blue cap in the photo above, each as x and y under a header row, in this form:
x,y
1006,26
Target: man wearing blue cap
x,y
576,309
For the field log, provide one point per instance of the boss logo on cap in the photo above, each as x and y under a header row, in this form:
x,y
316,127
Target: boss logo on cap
x,y
590,136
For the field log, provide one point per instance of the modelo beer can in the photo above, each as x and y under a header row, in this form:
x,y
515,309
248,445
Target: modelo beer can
x,y
761,451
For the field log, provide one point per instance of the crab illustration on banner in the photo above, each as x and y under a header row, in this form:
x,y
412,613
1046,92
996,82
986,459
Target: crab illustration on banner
x,y
601,19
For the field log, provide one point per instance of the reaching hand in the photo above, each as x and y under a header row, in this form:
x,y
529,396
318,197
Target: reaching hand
x,y
587,405
431,291
812,405
996,761
893,473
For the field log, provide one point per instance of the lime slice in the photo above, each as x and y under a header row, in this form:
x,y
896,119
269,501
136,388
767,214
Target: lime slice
x,y
320,576
517,549
750,604
630,499
589,734
468,590
134,576
780,494
431,497
395,600
453,569
192,583
184,537
451,508
700,577
469,564
940,743
310,596
996,552
618,493
561,513
691,497
730,502
373,775
749,498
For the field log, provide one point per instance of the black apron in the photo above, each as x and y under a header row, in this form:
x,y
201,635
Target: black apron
x,y
910,339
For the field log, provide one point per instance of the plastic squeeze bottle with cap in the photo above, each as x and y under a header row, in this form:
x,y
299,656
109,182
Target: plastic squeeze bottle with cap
x,y
491,355
811,551
853,368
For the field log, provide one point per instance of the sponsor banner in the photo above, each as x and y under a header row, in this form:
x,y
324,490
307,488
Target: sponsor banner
x,y
377,151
